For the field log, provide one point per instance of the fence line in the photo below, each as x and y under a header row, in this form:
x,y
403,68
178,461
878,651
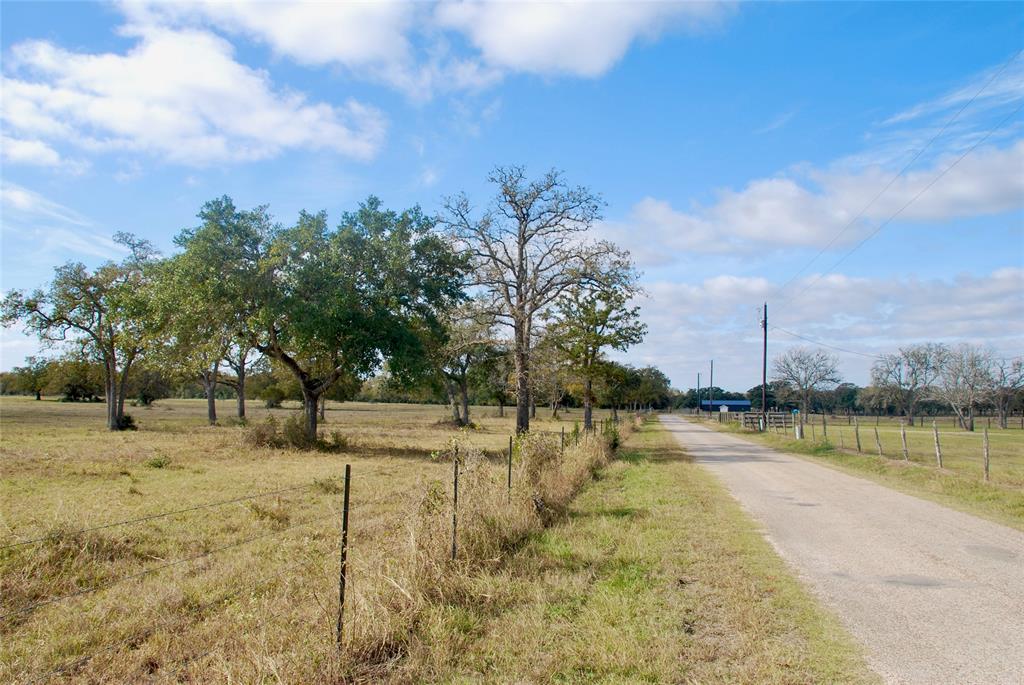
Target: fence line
x,y
141,635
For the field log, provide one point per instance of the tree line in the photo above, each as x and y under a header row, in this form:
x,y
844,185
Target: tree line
x,y
513,301
930,377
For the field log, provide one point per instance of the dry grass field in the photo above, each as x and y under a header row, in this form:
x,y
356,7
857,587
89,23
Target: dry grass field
x,y
218,591
653,575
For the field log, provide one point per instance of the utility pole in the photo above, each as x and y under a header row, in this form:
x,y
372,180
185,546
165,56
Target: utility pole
x,y
698,395
764,369
711,390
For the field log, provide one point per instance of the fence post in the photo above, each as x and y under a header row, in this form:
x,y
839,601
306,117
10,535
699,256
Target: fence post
x,y
343,575
842,445
510,469
986,454
903,436
814,436
455,500
938,448
878,442
824,427
856,431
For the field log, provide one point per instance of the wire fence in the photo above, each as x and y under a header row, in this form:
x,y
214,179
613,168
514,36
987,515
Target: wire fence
x,y
339,509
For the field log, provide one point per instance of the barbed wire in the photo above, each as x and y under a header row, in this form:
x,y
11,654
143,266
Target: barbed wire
x,y
153,629
178,562
151,517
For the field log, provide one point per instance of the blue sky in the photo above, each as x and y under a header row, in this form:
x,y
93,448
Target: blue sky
x,y
731,142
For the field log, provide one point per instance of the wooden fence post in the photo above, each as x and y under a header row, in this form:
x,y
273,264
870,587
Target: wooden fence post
x,y
856,431
824,427
878,442
938,448
510,468
986,454
903,435
842,445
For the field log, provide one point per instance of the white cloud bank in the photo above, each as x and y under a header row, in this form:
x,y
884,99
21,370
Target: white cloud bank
x,y
810,208
718,318
177,94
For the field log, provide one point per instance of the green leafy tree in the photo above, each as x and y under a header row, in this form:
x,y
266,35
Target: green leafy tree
x,y
589,319
104,312
327,305
31,378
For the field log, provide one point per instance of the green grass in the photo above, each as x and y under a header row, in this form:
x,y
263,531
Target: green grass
x,y
958,484
657,576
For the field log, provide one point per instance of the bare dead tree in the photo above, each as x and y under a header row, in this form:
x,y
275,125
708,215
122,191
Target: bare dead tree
x,y
806,370
905,377
527,248
1007,382
965,380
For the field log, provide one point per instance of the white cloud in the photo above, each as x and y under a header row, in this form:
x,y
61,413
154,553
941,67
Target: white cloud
x,y
22,201
718,317
809,209
37,230
36,153
406,45
577,38
177,94
995,87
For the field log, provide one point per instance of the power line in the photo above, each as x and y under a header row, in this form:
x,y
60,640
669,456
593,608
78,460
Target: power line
x,y
909,202
818,342
899,174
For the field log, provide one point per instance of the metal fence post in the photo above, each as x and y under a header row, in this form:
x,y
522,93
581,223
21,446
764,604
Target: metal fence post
x,y
938,448
878,442
343,575
856,432
455,501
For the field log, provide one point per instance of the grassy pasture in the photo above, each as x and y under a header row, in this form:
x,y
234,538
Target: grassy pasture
x,y
959,483
259,611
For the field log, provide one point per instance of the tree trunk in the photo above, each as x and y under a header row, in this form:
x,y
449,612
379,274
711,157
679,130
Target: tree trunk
x,y
310,404
464,394
970,418
554,410
39,396
533,407
110,383
522,367
121,391
323,408
453,404
209,382
501,407
588,405
240,389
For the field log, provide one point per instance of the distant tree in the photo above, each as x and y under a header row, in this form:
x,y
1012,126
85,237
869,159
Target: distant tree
x,y
552,374
492,377
461,342
103,311
964,381
590,318
526,250
1007,383
806,371
75,378
907,376
31,378
845,397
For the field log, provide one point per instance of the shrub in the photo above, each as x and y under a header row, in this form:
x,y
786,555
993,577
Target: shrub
x,y
272,396
339,441
127,423
293,433
277,513
157,462
263,434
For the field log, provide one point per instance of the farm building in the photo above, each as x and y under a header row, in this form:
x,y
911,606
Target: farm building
x,y
725,405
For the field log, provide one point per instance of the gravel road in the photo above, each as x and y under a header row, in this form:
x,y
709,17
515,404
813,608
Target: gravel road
x,y
934,595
